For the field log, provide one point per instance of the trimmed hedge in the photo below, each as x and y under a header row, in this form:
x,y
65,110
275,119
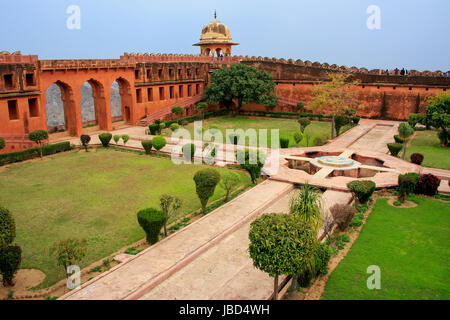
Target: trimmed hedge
x,y
154,129
152,221
395,148
363,189
284,143
23,155
10,259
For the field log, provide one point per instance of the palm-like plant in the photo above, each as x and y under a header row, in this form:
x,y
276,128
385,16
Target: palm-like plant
x,y
306,203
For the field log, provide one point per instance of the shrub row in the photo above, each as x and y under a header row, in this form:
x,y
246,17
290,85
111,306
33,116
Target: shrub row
x,y
23,155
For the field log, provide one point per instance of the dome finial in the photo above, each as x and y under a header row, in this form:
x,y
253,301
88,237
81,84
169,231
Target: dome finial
x,y
215,14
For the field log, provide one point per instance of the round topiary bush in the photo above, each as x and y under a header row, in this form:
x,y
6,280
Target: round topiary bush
x,y
159,143
188,151
304,122
284,142
417,158
363,189
7,227
105,138
152,221
428,184
85,139
147,145
10,259
298,136
174,127
206,181
125,138
395,148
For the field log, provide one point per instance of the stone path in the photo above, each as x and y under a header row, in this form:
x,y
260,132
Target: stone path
x,y
138,276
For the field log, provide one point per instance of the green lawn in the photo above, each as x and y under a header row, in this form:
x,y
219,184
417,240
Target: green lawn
x,y
286,127
427,143
93,195
411,247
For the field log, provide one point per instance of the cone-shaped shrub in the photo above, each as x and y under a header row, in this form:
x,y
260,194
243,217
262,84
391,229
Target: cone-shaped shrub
x,y
152,221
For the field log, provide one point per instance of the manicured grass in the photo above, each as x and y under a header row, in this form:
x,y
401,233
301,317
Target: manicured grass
x,y
93,195
427,143
411,247
286,127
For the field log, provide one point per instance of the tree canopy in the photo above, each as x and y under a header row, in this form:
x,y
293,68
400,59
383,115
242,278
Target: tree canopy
x,y
242,83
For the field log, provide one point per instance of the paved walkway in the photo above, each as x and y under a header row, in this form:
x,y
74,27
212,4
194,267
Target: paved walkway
x,y
137,277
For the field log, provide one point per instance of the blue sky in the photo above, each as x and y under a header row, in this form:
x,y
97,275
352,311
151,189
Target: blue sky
x,y
414,33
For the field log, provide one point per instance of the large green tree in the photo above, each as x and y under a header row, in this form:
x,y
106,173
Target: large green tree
x,y
334,96
242,84
438,115
282,244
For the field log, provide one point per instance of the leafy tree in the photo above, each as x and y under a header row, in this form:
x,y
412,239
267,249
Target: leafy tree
x,y
10,259
170,206
304,122
334,96
159,143
116,138
202,107
242,83
206,181
405,132
2,143
253,162
125,139
105,138
306,204
438,114
282,244
298,137
38,136
69,252
85,139
7,227
229,182
151,220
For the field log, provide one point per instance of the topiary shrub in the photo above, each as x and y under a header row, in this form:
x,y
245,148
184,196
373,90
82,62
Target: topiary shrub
x,y
105,138
284,142
116,138
7,227
395,148
298,136
38,136
318,141
85,139
174,127
356,120
417,158
342,215
206,181
443,138
125,138
398,139
304,122
362,189
2,143
188,151
147,145
153,128
10,259
406,185
253,162
152,221
428,184
159,143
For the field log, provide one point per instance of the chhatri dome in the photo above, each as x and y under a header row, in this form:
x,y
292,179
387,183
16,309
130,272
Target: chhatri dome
x,y
216,39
